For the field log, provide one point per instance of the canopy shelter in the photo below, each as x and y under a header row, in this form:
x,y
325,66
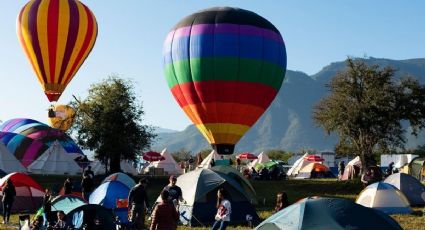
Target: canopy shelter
x,y
29,194
262,158
200,192
169,164
206,163
409,186
384,197
352,169
153,156
8,162
299,164
56,161
328,213
247,156
417,168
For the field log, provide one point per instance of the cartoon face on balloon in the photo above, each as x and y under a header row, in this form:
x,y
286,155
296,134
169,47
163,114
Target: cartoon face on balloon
x,y
57,36
224,67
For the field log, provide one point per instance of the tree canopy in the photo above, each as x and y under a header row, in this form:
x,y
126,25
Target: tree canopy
x,y
109,121
369,108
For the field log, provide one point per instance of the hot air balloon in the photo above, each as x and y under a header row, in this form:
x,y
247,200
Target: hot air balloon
x,y
224,67
57,36
63,117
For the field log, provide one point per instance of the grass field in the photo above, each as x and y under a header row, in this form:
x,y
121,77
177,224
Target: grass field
x,y
266,192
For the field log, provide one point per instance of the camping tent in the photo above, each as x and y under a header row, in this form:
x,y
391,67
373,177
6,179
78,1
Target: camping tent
x,y
262,158
384,197
417,168
410,186
121,177
89,214
328,213
8,162
299,164
29,194
67,203
399,159
107,195
206,163
55,160
352,169
200,193
169,164
314,170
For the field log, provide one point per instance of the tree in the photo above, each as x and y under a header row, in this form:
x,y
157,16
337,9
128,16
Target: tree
x,y
367,106
182,155
277,154
109,121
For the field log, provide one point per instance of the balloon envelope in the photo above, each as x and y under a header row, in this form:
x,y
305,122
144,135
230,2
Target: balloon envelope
x,y
57,37
64,117
224,67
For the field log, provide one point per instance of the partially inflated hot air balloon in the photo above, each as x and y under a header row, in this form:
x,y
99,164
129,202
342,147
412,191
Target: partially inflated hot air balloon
x,y
63,117
224,67
57,36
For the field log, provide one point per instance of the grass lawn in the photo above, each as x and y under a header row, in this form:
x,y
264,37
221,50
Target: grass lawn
x,y
266,192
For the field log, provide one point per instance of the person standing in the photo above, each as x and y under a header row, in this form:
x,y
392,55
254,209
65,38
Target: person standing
x,y
47,207
224,210
8,193
175,192
86,186
88,172
164,216
341,168
281,201
138,200
67,186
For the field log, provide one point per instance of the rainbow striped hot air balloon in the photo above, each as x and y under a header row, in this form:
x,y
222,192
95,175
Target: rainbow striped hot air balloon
x,y
57,36
224,67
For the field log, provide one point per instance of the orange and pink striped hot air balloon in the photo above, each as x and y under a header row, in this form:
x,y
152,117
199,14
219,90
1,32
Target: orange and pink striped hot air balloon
x,y
224,66
57,36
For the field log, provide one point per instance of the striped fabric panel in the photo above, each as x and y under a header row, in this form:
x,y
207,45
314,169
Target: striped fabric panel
x,y
57,36
222,133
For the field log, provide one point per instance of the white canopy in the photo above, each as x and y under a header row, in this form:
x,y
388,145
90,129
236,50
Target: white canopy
x,y
299,164
206,163
8,162
55,160
128,168
98,168
169,164
262,158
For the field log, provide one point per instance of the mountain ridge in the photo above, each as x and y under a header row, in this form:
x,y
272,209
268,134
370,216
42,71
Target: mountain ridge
x,y
287,124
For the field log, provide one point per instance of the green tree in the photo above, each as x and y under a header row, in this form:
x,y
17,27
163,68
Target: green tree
x,y
366,107
109,121
277,154
182,155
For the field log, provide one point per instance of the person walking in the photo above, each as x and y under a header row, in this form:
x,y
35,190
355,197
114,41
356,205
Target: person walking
x,y
224,210
8,193
138,200
164,216
88,172
281,201
86,186
175,192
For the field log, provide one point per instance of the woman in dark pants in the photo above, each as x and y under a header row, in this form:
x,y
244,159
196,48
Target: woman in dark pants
x,y
8,193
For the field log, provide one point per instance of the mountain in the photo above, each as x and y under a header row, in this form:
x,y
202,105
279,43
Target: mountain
x,y
287,124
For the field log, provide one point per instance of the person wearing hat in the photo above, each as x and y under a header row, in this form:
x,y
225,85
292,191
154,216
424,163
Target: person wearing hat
x,y
175,192
138,200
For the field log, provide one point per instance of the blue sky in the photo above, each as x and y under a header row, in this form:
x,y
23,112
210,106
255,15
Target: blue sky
x,y
131,34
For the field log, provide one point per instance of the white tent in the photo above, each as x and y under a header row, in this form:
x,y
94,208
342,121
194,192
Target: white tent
x,y
169,164
299,164
128,168
262,158
352,169
384,197
98,168
399,159
8,162
206,163
55,160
